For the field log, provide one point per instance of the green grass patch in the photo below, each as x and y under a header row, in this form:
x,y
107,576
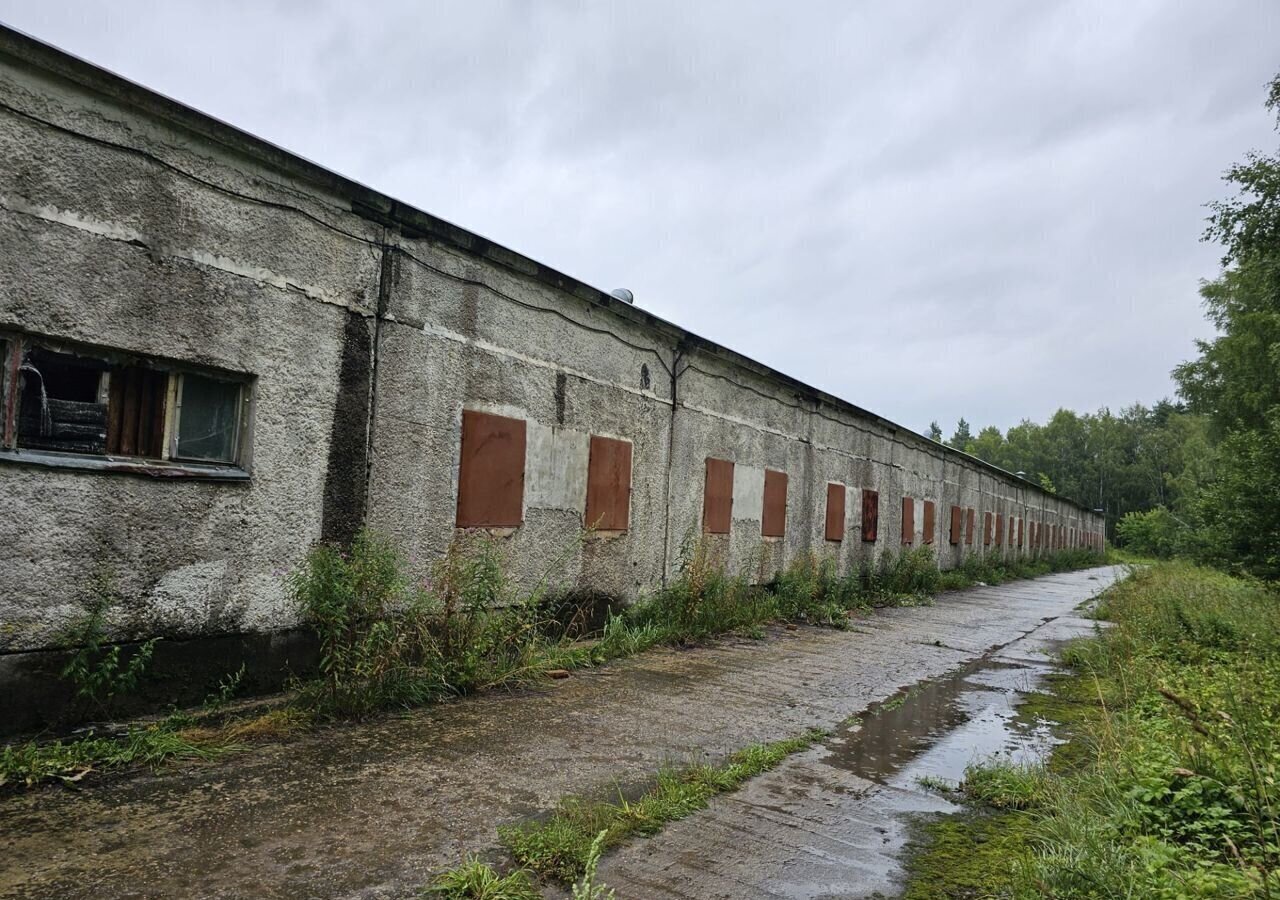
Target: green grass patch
x,y
560,846
477,880
1167,786
175,737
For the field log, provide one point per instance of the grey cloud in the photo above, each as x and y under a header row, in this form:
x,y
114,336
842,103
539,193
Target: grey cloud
x,y
986,210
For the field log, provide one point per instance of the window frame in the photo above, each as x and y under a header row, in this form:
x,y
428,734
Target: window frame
x,y
173,420
169,464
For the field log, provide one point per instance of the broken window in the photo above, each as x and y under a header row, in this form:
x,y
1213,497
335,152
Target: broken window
x,y
491,471
835,512
717,498
929,521
957,516
870,516
88,402
609,484
773,521
908,520
206,415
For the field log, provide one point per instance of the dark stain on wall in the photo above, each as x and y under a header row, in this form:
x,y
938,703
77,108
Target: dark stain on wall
x,y
345,484
562,389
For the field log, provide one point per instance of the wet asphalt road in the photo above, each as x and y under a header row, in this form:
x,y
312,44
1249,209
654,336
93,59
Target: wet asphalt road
x,y
374,810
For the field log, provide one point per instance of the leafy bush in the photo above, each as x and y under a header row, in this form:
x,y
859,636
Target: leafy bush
x,y
386,642
101,674
1154,533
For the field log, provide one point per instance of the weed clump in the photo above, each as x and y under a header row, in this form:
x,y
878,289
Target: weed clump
x,y
477,880
387,642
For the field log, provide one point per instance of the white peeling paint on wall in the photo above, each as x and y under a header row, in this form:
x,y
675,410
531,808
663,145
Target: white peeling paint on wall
x,y
189,594
748,492
556,468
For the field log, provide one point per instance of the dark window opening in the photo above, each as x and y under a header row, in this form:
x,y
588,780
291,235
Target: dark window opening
x,y
60,402
100,403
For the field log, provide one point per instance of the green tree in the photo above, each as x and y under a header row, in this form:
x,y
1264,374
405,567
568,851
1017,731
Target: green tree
x,y
962,436
934,433
1235,381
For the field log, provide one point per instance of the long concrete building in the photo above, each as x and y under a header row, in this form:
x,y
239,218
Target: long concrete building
x,y
216,353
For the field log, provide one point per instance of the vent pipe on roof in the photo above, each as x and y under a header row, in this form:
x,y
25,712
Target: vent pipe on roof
x,y
624,295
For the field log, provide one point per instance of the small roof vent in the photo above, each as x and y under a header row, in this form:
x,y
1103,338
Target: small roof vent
x,y
624,295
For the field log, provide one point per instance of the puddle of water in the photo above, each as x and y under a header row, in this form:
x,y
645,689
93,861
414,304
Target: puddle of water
x,y
935,730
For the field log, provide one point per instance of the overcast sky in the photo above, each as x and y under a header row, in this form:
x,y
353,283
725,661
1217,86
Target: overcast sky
x,y
988,209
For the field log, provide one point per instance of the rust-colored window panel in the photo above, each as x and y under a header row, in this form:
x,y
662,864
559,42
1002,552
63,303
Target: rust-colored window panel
x,y
999,529
968,525
773,522
491,472
135,411
930,521
986,529
908,520
835,512
609,484
717,497
1019,532
870,516
957,517
1010,540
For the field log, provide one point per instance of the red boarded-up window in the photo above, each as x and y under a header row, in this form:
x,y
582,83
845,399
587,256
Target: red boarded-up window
x,y
930,521
957,516
491,471
1010,541
999,529
835,512
986,529
717,497
870,516
968,526
609,484
908,520
1019,533
773,523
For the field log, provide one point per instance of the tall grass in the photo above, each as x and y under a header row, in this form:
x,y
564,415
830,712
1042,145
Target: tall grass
x,y
386,641
1178,706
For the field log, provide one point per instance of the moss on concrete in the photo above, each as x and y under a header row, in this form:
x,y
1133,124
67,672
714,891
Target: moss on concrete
x,y
967,855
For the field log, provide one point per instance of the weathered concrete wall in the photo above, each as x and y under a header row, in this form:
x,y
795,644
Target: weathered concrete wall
x,y
130,223
116,230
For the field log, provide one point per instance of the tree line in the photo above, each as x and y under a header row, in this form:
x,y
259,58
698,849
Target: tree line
x,y
1199,475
